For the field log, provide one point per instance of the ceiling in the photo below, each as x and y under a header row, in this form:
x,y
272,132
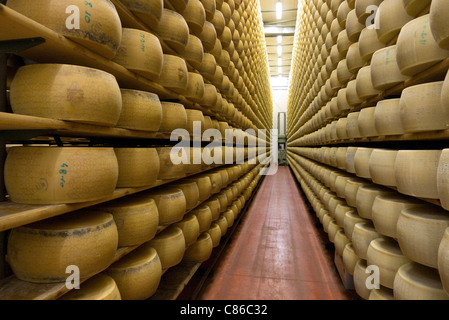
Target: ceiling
x,y
285,26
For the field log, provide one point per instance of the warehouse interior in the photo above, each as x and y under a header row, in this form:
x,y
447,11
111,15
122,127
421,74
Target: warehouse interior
x,y
207,150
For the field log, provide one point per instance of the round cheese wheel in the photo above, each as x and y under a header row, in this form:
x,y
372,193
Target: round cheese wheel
x,y
341,158
170,246
215,234
99,30
40,252
191,192
195,161
387,209
387,255
361,162
417,282
208,36
354,60
83,94
332,229
222,222
201,250
219,22
190,228
369,43
174,116
172,169
204,215
389,25
351,97
439,23
385,72
442,179
351,218
360,278
352,127
141,110
195,16
204,186
349,258
366,124
137,167
365,198
136,218
342,13
414,7
340,241
208,66
230,217
173,30
149,12
362,235
350,153
381,294
194,51
387,117
54,175
416,172
137,274
174,75
195,87
353,26
421,108
420,230
195,123
98,287
364,85
443,260
381,166
417,53
363,9
140,52
340,184
170,202
210,8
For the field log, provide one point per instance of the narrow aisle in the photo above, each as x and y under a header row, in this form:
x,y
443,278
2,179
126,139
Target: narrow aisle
x,y
277,252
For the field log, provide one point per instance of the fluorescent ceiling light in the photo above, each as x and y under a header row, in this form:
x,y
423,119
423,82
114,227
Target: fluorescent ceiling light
x,y
279,61
279,39
279,50
279,10
279,69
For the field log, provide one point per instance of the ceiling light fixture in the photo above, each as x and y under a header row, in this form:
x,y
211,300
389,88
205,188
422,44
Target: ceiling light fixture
x,y
279,61
279,10
279,50
279,38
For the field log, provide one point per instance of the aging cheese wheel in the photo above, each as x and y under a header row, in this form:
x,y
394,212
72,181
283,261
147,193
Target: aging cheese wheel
x,y
194,51
332,229
442,179
350,153
201,250
417,49
365,198
195,16
389,25
137,274
173,30
141,110
362,236
366,123
420,230
174,75
416,172
361,162
195,87
137,167
140,52
443,260
369,43
417,282
98,287
172,162
352,127
349,258
174,116
354,60
136,218
219,22
350,96
170,246
353,26
385,72
191,192
387,255
209,7
342,13
381,166
414,7
340,241
190,228
215,234
204,215
439,22
382,293
208,66
387,117
364,85
351,218
222,222
53,175
149,12
40,252
170,202
421,108
363,10
208,36
100,29
195,123
204,186
360,279
66,92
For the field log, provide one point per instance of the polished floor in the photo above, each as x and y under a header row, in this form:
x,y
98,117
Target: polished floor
x,y
278,252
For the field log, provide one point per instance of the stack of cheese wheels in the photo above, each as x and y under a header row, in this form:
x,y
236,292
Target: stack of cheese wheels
x,y
136,218
195,16
362,236
172,162
389,25
215,234
204,216
386,254
381,166
82,94
415,7
174,116
140,52
417,282
170,246
141,110
100,30
416,54
170,202
369,43
381,294
350,258
194,51
443,260
422,109
365,198
385,72
439,22
137,274
419,231
190,228
204,186
416,172
195,87
149,12
40,252
360,279
54,175
200,250
361,162
191,192
387,117
387,209
443,179
173,30
138,167
366,124
98,287
174,75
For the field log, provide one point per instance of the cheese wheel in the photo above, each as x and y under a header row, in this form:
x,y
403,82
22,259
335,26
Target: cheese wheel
x,y
353,26
194,51
389,25
361,162
365,198
174,116
195,16
340,241
443,260
414,7
340,184
208,66
332,229
215,234
173,30
170,246
208,36
417,53
354,60
178,5
226,37
421,108
140,111
351,97
416,172
351,218
364,85
218,21
100,29
98,287
341,129
363,9
420,230
201,250
387,255
385,72
82,94
195,123
230,217
417,282
442,179
439,23
191,192
137,274
341,157
362,236
204,215
136,219
204,186
349,258
382,293
350,153
195,161
352,127
195,87
174,75
190,228
209,7
40,252
366,124
172,162
140,52
381,166
360,278
54,175
149,12
342,13
387,117
138,167
170,202
223,224
369,43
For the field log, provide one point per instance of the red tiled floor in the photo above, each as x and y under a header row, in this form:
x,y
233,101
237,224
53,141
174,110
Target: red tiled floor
x,y
277,253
